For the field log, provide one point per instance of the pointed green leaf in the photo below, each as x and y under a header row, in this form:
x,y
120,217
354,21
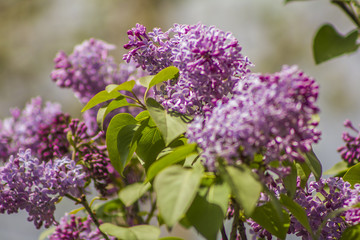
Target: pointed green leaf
x,y
290,181
244,186
164,75
297,211
328,43
303,171
206,217
268,218
340,167
126,86
149,142
170,124
139,232
313,163
145,81
176,188
353,175
133,192
100,97
119,137
46,233
351,233
177,155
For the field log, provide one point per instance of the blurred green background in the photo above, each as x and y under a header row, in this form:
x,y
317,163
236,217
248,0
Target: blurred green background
x,y
270,32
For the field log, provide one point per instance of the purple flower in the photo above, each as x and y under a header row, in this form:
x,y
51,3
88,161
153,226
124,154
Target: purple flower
x,y
27,183
351,151
73,228
21,130
269,115
209,61
88,70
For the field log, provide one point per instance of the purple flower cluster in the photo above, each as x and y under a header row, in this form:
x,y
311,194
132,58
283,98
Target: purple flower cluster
x,y
96,163
319,199
351,151
322,198
27,183
24,129
269,115
88,70
209,60
73,228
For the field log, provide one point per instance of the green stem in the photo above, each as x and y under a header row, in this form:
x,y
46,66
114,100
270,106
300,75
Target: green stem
x,y
152,211
138,100
234,228
341,4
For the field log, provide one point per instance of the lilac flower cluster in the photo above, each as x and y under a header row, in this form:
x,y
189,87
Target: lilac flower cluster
x,y
269,115
209,60
72,228
320,199
27,183
351,151
96,163
24,129
88,70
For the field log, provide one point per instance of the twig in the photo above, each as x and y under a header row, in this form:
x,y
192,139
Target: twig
x,y
223,233
341,4
234,227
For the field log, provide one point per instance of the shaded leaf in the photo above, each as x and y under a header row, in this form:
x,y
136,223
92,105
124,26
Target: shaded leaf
x,y
351,233
176,188
303,171
119,137
267,217
328,43
244,186
313,163
170,125
290,180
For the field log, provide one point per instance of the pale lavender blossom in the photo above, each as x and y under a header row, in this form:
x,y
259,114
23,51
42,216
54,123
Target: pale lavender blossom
x,y
351,151
269,115
21,130
72,227
209,60
27,183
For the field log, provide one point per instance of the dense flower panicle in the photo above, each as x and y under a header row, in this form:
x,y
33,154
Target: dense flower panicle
x,y
52,138
269,115
73,228
27,183
21,130
87,70
209,60
319,199
97,165
351,151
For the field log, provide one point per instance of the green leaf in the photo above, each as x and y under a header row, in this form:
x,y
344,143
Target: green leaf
x,y
126,86
176,188
44,235
75,211
119,137
290,181
351,233
139,232
177,155
170,124
131,193
206,217
219,194
164,75
149,142
171,238
100,97
338,168
109,210
145,81
313,163
144,115
328,43
303,171
297,211
244,186
353,175
114,104
267,217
